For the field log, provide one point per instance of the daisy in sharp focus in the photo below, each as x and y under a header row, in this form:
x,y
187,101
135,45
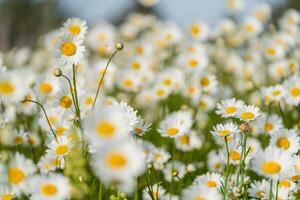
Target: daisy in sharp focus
x,y
61,147
224,130
248,113
68,51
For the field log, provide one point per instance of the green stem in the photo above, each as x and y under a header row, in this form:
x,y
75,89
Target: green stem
x,y
227,168
102,78
270,191
172,168
76,95
100,191
277,184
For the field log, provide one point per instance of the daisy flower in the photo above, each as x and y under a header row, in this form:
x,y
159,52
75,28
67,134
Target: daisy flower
x,y
286,140
178,168
199,31
223,130
141,127
75,27
248,113
68,51
272,163
158,157
229,107
6,193
259,189
216,161
157,192
49,187
60,148
210,180
268,124
292,87
189,141
196,192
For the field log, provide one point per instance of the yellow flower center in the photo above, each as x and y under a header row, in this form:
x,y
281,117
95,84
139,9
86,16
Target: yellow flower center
x,y
234,155
139,50
230,109
7,196
60,130
247,115
116,160
204,82
136,65
202,104
270,167
248,28
61,149
74,29
89,101
138,130
193,63
185,139
223,133
68,48
283,143
65,102
17,140
191,90
167,82
284,183
199,198
271,52
295,178
160,92
295,91
6,88
105,129
127,83
268,127
172,131
46,88
15,175
211,183
52,119
260,194
196,29
49,189
276,93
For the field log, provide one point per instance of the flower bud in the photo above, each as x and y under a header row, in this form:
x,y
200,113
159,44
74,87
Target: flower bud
x,y
57,72
119,46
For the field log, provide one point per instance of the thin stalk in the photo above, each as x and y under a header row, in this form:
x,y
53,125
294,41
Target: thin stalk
x,y
172,169
46,116
72,93
227,168
75,93
102,78
100,191
270,191
281,112
276,195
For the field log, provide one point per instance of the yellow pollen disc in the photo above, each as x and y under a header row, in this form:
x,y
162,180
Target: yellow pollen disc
x,y
74,29
172,131
284,183
196,29
17,140
127,83
89,101
234,155
48,189
68,48
105,129
136,65
230,109
65,102
247,115
185,139
52,119
204,82
116,160
138,130
280,71
6,88
61,149
295,178
295,91
160,92
193,63
248,28
270,167
55,162
271,52
217,165
167,82
276,93
211,184
60,130
15,175
202,104
7,196
283,143
260,194
223,133
46,88
139,50
27,97
191,90
268,127
199,198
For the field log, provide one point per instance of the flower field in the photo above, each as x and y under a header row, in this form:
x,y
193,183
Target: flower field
x,y
150,110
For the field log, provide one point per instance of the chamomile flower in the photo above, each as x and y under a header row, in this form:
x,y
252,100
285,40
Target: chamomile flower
x,y
61,147
141,127
235,5
252,27
210,180
272,163
158,157
6,193
224,130
199,31
50,162
176,124
292,86
157,192
200,192
268,124
178,169
229,107
248,113
259,189
49,187
286,140
68,51
189,141
75,27
18,137
119,162
216,161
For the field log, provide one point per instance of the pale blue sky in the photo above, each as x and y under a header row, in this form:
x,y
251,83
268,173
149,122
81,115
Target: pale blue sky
x,y
182,11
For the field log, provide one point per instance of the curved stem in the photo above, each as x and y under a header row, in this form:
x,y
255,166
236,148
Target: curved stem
x,y
227,168
46,116
102,78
